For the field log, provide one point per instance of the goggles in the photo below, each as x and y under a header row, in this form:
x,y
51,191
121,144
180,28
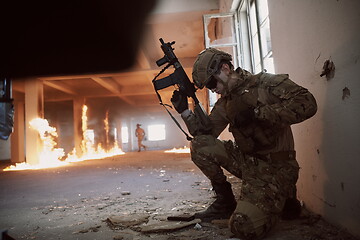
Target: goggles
x,y
212,83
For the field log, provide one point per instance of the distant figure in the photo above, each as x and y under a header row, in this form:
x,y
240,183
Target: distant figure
x,y
140,134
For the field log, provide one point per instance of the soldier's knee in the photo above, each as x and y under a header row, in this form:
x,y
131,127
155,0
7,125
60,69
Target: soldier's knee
x,y
249,222
201,143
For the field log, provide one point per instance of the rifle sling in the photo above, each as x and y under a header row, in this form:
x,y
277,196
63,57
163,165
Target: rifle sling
x,y
164,105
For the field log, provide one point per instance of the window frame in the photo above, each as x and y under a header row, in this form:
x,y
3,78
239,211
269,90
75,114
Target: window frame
x,y
212,97
247,4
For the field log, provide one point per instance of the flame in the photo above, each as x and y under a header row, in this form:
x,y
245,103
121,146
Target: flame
x,y
51,156
179,150
106,127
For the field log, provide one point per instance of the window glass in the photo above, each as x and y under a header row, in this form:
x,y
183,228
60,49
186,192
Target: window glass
x,y
156,132
263,10
124,135
245,52
265,38
89,135
256,53
258,26
269,64
253,23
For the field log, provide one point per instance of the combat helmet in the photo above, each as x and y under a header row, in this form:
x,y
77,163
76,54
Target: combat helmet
x,y
207,64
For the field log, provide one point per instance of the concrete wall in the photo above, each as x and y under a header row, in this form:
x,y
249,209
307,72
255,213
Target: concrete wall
x,y
5,149
305,34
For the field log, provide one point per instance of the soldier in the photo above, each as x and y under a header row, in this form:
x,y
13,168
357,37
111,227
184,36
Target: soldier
x,y
259,110
140,134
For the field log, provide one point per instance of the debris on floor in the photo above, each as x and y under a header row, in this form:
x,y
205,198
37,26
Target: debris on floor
x,y
85,201
167,226
124,221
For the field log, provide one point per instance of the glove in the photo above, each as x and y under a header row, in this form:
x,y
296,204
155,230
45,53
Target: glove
x,y
179,101
245,117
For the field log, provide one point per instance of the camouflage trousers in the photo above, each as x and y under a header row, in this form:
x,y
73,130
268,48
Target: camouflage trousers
x,y
266,183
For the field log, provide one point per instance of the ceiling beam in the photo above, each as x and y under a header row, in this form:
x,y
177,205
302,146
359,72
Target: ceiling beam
x,y
60,87
131,72
18,86
101,95
112,87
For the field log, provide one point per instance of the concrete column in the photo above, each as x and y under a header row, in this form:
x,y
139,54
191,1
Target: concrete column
x,y
78,134
118,133
131,134
34,108
17,137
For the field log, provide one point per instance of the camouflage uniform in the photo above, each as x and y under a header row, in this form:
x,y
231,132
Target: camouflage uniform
x,y
263,154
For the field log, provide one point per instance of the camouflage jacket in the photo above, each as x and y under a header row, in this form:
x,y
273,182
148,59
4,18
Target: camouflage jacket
x,y
274,103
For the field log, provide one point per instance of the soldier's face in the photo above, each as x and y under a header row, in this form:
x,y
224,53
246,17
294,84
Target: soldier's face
x,y
222,79
220,87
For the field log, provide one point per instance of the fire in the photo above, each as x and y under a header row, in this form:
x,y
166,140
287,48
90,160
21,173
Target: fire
x,y
51,156
179,150
106,128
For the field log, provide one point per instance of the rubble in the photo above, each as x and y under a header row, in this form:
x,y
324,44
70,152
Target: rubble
x,y
34,208
167,226
124,221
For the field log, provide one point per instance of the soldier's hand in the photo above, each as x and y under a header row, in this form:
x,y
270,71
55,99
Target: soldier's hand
x,y
179,101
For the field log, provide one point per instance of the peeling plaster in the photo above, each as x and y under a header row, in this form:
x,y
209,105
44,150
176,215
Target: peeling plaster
x,y
346,93
328,69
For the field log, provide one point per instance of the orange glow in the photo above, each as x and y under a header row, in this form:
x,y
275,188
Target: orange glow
x,y
50,156
179,150
106,128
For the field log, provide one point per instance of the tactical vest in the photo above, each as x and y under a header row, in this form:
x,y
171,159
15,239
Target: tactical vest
x,y
255,135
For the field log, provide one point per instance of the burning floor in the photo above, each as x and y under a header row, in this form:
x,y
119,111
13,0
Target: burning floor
x,y
118,197
51,155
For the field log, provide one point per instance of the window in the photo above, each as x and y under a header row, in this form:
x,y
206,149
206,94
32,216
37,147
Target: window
x,y
245,35
255,34
124,134
156,132
89,136
220,32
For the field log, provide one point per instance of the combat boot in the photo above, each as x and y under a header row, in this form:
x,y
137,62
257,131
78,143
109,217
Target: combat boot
x,y
223,207
292,209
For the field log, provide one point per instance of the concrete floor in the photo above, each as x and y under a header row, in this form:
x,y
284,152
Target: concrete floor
x,y
73,202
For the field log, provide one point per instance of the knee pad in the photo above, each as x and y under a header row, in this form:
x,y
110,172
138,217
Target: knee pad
x,y
202,142
249,222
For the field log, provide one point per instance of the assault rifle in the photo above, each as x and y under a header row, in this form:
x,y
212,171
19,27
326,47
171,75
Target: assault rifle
x,y
179,79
